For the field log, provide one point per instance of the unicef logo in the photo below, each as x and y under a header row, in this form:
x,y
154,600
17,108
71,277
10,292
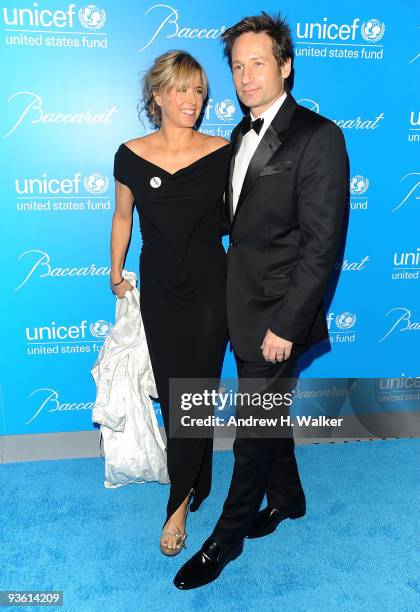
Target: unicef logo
x,y
359,184
96,183
225,109
345,320
92,17
100,329
373,30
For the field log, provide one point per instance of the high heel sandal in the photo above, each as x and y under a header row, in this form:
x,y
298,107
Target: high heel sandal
x,y
180,537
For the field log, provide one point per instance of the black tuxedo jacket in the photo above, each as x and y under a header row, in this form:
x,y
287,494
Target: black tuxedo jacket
x,y
286,231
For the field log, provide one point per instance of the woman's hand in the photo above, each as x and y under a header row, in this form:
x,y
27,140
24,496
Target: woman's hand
x,y
119,290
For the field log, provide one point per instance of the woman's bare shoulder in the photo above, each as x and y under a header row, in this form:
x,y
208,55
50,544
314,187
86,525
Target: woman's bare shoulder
x,y
215,142
141,144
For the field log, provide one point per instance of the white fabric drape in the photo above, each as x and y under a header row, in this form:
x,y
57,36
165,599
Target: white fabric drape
x,y
133,446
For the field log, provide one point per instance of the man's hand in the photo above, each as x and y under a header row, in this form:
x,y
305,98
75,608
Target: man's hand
x,y
275,348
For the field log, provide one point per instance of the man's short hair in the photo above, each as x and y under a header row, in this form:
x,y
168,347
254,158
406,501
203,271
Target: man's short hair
x,y
274,26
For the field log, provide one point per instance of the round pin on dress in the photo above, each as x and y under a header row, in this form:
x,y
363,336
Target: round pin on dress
x,y
155,182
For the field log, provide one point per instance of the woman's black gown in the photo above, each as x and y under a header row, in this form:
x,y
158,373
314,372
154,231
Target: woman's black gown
x,y
182,291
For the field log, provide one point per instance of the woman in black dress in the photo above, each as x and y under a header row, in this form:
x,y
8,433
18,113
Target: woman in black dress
x,y
175,177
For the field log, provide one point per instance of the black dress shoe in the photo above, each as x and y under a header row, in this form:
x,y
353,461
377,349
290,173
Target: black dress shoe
x,y
206,565
268,519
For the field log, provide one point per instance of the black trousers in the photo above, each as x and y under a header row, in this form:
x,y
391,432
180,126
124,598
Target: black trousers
x,y
263,465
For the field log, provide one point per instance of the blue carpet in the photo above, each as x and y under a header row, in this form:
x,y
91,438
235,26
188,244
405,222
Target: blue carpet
x,y
354,550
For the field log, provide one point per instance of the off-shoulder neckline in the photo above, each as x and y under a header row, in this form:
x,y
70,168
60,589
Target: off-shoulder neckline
x,y
194,163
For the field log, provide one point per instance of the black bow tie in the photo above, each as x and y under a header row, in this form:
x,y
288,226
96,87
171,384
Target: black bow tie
x,y
248,124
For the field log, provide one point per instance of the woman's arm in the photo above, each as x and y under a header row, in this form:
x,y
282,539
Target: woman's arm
x,y
122,221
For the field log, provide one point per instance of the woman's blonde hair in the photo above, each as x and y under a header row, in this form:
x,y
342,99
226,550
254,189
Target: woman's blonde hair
x,y
172,69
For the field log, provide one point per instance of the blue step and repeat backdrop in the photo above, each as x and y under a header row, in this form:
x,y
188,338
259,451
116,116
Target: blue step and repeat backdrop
x,y
69,91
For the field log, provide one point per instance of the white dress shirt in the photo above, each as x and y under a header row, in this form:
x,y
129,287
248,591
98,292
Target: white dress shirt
x,y
249,143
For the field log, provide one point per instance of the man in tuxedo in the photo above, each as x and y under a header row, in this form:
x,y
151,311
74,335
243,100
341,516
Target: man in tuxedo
x,y
286,199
